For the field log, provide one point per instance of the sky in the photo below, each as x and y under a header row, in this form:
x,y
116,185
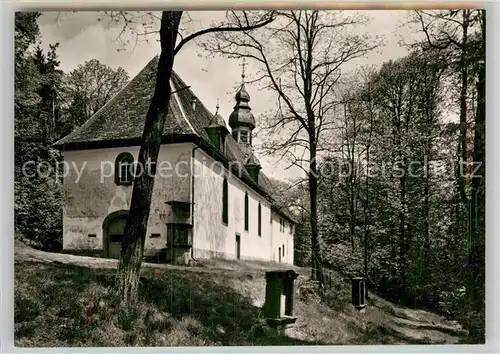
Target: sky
x,y
81,37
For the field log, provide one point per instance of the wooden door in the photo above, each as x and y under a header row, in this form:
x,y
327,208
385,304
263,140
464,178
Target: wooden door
x,y
115,232
238,246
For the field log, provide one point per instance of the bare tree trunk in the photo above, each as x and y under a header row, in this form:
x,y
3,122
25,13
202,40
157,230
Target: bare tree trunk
x,y
402,232
464,75
427,243
366,211
317,270
478,243
127,278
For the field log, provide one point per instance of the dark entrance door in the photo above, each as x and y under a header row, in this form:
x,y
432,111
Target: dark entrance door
x,y
114,229
279,254
238,246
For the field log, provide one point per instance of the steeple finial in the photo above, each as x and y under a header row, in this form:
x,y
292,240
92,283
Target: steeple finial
x,y
243,71
217,107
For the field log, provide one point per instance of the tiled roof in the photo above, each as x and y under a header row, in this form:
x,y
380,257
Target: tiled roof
x,y
122,118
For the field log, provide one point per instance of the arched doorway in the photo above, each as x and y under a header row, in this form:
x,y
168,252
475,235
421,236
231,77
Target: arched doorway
x,y
113,228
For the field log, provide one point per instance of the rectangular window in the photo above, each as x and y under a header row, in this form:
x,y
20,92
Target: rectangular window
x,y
179,235
259,219
246,212
213,138
243,136
221,143
92,235
283,250
225,200
155,236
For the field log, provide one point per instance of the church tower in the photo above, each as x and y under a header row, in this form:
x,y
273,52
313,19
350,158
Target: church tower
x,y
241,120
242,123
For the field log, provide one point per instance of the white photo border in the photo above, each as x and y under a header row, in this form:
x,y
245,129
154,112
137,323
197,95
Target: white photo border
x,y
7,9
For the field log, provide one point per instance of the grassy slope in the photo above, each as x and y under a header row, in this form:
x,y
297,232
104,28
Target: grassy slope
x,y
218,304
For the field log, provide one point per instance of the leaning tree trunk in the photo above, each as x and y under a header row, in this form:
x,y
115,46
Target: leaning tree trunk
x,y
127,278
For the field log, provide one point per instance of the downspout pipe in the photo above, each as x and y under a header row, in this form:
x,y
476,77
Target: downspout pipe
x,y
192,200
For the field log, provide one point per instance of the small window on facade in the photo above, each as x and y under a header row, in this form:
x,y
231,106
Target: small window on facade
x,y
155,235
259,219
221,143
124,169
217,139
213,138
291,228
243,136
246,211
283,250
225,200
92,235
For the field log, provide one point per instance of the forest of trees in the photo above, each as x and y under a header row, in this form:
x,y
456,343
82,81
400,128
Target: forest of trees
x,y
394,201
49,104
385,194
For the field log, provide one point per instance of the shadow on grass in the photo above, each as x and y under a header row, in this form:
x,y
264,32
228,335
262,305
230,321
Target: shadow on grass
x,y
52,304
380,335
219,308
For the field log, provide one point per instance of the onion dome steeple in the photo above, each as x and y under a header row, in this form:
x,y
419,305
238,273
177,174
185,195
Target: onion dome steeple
x,y
241,120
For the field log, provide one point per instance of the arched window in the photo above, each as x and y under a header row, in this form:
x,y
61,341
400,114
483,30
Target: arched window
x,y
225,200
259,217
124,169
246,211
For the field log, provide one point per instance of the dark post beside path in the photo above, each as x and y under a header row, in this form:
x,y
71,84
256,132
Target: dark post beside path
x,y
278,308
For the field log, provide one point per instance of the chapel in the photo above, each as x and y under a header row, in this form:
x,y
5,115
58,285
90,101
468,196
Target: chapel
x,y
211,198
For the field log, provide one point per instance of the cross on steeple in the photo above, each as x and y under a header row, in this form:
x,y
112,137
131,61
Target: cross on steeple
x,y
217,107
243,71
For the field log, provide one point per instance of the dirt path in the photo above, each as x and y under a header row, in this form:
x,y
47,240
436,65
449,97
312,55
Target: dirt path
x,y
25,253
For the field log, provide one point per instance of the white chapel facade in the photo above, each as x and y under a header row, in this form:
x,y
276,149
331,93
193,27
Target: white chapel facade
x,y
210,198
